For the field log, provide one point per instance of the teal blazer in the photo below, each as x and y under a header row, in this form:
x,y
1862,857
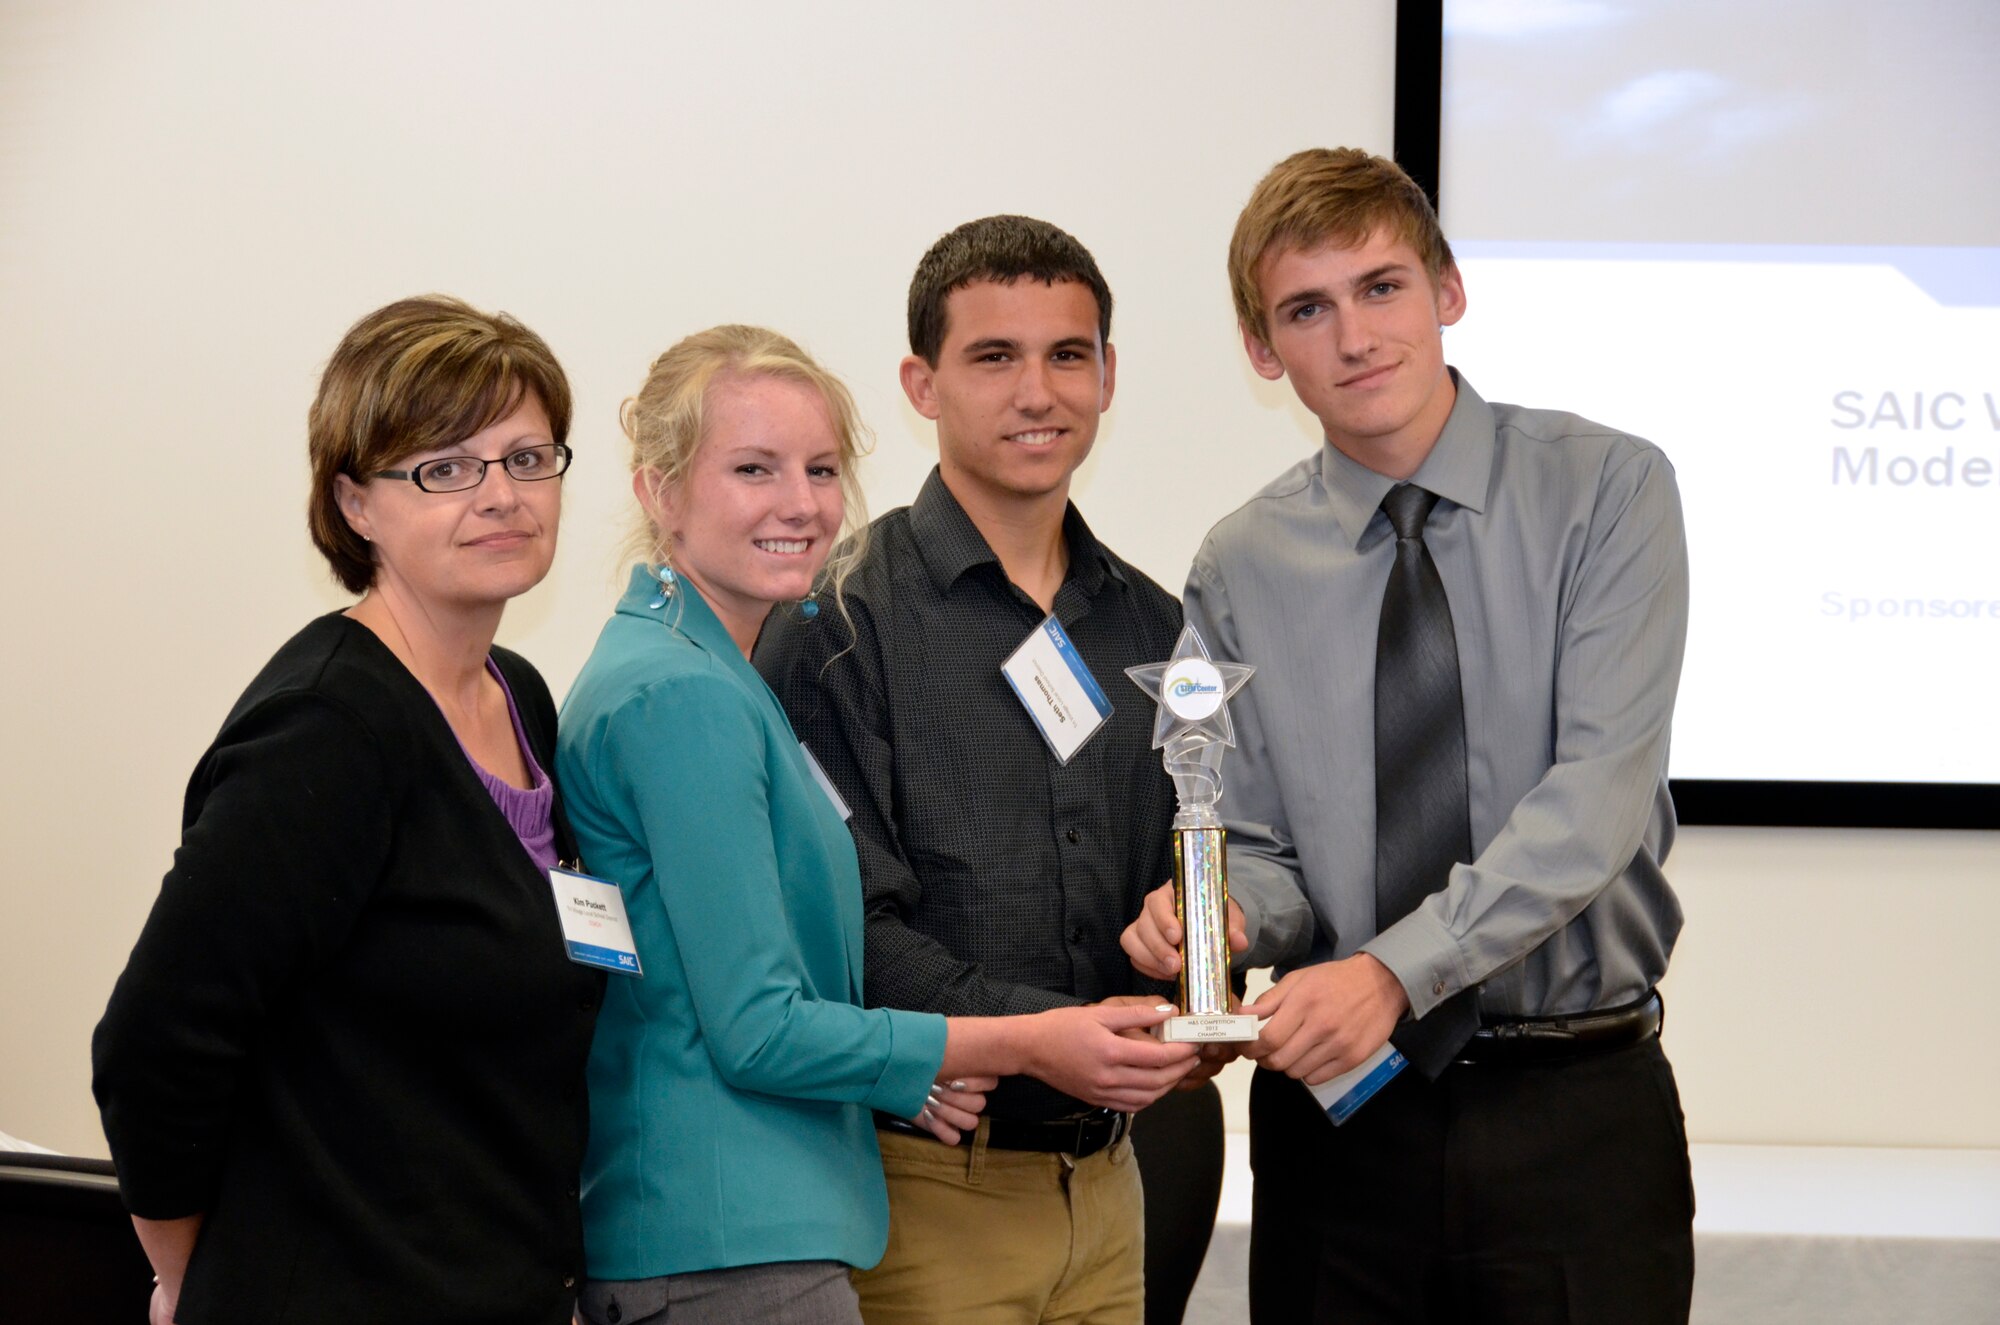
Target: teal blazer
x,y
730,1086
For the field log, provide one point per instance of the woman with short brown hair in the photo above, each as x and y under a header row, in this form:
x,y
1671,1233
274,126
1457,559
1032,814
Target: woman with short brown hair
x,y
342,1073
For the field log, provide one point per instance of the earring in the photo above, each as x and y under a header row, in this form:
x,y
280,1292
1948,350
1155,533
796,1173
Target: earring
x,y
669,582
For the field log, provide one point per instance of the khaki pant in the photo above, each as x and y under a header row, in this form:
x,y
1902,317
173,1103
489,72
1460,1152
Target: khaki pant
x,y
979,1236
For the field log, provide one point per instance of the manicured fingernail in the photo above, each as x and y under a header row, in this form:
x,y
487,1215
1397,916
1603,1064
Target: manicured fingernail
x,y
1163,1007
955,1085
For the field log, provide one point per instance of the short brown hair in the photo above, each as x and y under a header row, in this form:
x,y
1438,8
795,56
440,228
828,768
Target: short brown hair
x,y
1003,249
1328,195
668,421
418,375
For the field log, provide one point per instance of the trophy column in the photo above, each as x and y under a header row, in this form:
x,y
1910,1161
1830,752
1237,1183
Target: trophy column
x,y
1201,901
1191,734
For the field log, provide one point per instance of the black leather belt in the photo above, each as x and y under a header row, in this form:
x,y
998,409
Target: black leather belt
x,y
1557,1039
1078,1136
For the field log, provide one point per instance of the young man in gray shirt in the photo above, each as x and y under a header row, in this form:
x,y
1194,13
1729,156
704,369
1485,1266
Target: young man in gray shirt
x,y
1448,806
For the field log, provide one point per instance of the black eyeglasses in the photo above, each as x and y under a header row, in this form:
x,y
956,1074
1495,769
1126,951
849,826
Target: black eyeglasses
x,y
458,473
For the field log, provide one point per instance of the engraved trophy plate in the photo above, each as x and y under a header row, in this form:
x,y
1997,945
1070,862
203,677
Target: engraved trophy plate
x,y
1192,731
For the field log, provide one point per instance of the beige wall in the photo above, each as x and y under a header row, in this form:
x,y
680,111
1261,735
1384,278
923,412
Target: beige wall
x,y
195,201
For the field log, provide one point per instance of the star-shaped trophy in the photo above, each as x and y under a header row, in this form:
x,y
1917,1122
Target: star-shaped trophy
x,y
1191,732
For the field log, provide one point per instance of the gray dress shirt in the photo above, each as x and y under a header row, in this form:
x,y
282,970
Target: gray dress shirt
x,y
1561,548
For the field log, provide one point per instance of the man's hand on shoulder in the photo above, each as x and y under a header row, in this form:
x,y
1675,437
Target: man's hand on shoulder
x,y
1153,941
1324,1020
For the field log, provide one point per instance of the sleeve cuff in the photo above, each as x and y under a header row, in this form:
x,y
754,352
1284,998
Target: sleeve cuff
x,y
1424,958
165,1189
916,1052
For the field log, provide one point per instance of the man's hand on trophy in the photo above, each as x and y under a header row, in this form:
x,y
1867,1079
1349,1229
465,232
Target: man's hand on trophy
x,y
1215,1055
1212,1058
1153,941
1147,1033
954,1106
1323,1020
1084,1051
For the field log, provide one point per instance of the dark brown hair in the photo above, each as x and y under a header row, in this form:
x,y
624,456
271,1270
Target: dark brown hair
x,y
419,375
1003,249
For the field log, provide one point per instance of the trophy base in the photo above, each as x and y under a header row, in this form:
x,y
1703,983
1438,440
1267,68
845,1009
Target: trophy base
x,y
1215,1028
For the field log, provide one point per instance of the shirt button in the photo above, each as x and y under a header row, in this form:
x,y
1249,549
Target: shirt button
x,y
1072,836
569,1281
1438,988
1076,934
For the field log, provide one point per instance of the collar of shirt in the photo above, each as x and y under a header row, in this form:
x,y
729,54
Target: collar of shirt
x,y
1458,469
951,544
687,612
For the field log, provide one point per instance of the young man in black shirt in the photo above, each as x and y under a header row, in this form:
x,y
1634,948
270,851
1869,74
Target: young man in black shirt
x,y
998,875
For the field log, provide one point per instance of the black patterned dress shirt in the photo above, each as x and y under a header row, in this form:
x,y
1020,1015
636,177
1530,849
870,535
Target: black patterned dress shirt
x,y
997,879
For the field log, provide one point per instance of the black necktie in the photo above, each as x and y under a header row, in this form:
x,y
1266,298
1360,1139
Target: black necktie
x,y
1422,815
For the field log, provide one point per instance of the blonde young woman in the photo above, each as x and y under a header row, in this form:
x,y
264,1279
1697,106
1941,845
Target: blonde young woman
x,y
342,1074
733,1172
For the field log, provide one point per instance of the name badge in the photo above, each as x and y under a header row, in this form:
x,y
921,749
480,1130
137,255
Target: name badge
x,y
1350,1090
1055,685
593,922
825,783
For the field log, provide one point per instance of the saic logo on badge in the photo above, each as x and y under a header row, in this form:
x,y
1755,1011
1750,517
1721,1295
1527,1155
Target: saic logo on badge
x,y
1192,689
595,929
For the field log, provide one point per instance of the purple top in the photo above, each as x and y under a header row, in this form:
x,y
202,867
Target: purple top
x,y
530,813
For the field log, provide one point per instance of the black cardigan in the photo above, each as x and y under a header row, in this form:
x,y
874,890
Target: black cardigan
x,y
349,1032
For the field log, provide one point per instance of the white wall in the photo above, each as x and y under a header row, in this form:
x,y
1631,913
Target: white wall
x,y
196,200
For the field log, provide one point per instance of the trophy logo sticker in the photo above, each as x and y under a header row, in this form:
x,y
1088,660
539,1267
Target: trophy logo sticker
x,y
1192,689
1191,732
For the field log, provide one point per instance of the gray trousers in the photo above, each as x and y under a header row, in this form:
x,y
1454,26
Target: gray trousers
x,y
785,1292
